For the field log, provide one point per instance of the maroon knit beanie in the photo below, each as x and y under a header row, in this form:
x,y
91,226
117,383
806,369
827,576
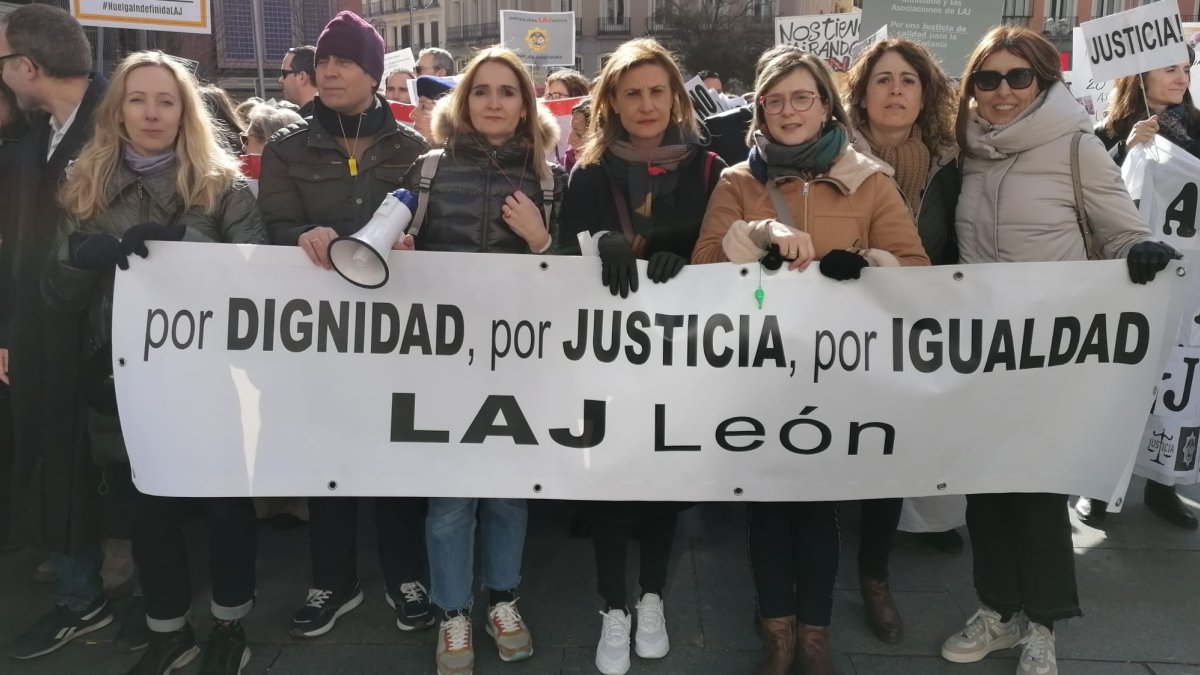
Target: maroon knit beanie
x,y
348,36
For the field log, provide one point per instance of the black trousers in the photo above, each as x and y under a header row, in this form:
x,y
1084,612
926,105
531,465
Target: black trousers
x,y
1023,556
161,557
880,517
6,464
333,540
612,525
793,549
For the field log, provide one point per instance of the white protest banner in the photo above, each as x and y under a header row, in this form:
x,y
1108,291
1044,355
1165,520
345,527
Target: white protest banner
x,y
1191,31
1169,194
1094,95
1135,41
248,370
950,29
539,38
180,16
401,58
829,36
708,102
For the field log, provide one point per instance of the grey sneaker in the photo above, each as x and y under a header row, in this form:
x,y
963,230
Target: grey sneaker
x,y
455,653
508,629
983,634
1037,657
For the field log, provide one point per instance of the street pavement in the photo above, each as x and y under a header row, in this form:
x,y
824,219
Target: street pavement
x,y
1139,583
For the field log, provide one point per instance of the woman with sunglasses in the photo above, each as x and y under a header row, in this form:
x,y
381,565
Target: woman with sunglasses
x,y
844,210
902,107
1016,124
1166,109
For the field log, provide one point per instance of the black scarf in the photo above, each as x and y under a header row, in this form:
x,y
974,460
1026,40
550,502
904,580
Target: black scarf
x,y
368,123
650,178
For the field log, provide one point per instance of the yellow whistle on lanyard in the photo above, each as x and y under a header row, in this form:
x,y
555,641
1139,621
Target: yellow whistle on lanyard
x,y
353,166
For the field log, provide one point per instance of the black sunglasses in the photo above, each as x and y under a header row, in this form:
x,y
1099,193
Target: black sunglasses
x,y
989,80
284,72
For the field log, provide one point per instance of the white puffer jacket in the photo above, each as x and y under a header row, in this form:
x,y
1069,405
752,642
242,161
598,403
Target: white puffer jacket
x,y
1018,203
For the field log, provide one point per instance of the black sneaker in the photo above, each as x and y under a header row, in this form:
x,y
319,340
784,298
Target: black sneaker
x,y
322,609
167,653
134,634
227,652
58,628
411,602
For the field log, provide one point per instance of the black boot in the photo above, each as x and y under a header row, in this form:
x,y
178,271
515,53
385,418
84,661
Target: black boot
x,y
1091,511
1162,500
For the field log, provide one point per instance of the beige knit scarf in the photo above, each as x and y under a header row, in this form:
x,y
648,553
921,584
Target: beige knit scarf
x,y
910,159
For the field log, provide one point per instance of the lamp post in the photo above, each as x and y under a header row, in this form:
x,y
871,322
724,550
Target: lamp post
x,y
413,7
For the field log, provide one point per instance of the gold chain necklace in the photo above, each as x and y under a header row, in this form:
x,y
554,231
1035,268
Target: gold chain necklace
x,y
353,163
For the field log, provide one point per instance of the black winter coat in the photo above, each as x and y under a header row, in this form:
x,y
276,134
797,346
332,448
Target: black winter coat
x,y
305,182
727,132
55,486
589,207
465,197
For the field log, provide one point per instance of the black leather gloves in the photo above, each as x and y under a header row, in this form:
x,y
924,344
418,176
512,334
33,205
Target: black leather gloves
x,y
663,266
773,259
96,252
1148,258
618,264
135,238
841,265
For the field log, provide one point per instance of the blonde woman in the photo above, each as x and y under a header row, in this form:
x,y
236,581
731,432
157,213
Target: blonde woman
x,y
639,190
486,196
155,170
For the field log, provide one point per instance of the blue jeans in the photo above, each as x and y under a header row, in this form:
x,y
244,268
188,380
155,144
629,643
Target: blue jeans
x,y
450,539
79,582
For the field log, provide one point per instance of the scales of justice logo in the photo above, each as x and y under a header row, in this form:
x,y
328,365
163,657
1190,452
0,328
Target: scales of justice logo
x,y
1180,448
538,39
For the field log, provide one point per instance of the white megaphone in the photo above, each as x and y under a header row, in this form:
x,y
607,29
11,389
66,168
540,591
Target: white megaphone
x,y
361,258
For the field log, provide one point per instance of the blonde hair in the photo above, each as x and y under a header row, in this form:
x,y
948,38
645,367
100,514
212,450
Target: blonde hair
x,y
781,64
452,113
204,169
605,127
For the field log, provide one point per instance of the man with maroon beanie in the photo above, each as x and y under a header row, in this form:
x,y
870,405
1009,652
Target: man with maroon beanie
x,y
321,179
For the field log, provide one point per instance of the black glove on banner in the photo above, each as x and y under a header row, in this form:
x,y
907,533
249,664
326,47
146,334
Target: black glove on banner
x,y
618,264
95,252
841,265
663,266
1148,258
773,259
135,238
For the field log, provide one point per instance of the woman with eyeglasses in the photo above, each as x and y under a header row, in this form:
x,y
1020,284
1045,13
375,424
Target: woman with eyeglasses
x,y
843,210
902,107
1165,108
566,83
1016,124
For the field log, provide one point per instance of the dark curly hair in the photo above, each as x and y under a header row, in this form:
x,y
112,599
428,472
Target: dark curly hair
x,y
936,119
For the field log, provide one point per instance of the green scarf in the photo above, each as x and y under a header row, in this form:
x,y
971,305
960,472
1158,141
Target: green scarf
x,y
813,157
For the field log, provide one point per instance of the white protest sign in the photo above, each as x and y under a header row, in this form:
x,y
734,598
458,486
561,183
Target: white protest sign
x,y
1135,41
1170,198
829,36
402,58
878,36
708,102
179,16
539,38
1192,30
248,370
1094,95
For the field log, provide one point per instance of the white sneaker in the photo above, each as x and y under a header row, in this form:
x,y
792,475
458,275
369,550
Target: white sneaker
x,y
984,634
612,653
1037,658
650,641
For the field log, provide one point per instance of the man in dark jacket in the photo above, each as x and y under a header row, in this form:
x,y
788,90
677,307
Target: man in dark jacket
x,y
46,60
298,77
320,180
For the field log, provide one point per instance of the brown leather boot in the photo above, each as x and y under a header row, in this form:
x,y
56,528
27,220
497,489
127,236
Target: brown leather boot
x,y
882,615
779,646
813,650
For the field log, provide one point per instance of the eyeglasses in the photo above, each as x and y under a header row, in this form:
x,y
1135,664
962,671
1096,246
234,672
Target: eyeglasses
x,y
284,72
989,80
554,95
421,70
6,57
801,101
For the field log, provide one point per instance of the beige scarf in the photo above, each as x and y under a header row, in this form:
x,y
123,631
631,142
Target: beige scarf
x,y
910,159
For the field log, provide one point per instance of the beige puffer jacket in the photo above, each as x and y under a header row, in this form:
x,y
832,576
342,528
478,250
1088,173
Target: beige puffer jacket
x,y
1018,203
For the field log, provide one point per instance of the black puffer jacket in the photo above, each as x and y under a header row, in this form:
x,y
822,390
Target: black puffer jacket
x,y
472,182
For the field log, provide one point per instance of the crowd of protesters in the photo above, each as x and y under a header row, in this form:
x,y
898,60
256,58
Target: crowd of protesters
x,y
894,166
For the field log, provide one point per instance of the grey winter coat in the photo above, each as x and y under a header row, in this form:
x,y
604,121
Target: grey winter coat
x,y
1017,202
